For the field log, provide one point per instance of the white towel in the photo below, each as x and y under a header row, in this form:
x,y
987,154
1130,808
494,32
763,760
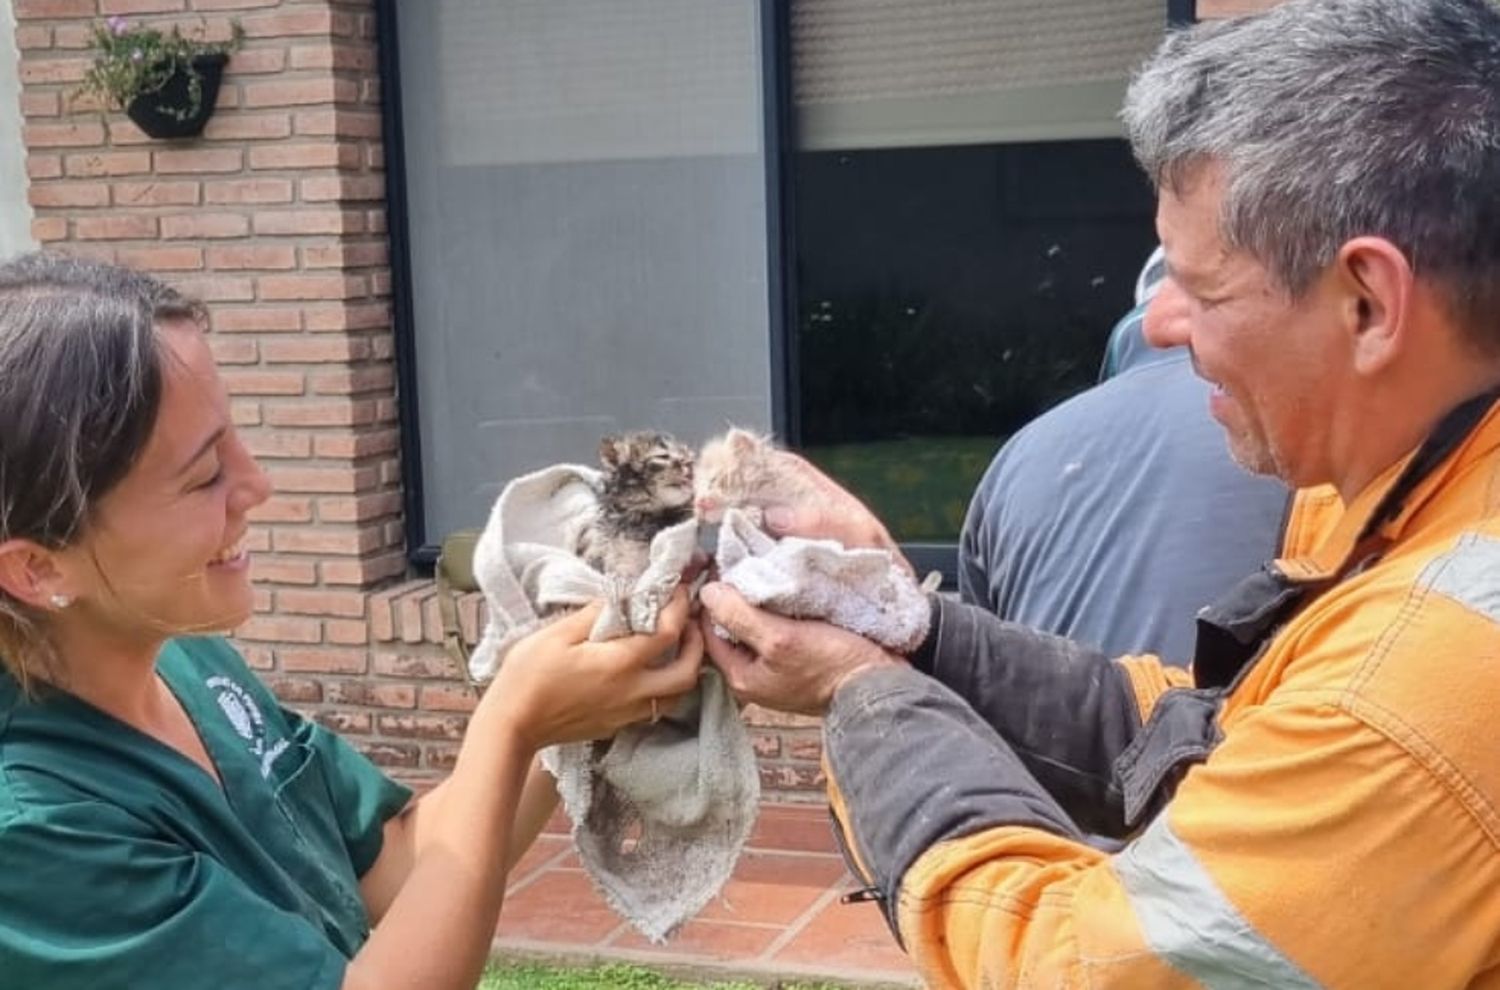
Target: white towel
x,y
862,590
659,820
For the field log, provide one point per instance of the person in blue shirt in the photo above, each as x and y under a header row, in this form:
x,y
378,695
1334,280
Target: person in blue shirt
x,y
1127,346
164,823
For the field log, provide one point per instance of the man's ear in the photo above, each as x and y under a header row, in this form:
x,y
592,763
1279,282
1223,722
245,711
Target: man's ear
x,y
29,573
1378,281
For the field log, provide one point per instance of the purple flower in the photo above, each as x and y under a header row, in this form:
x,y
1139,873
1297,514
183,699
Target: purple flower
x,y
117,25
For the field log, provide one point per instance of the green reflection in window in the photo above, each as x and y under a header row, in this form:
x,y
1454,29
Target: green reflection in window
x,y
947,296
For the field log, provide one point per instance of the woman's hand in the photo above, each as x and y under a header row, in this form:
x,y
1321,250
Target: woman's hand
x,y
555,686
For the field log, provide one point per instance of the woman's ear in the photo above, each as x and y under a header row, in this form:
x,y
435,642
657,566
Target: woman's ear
x,y
1378,280
29,573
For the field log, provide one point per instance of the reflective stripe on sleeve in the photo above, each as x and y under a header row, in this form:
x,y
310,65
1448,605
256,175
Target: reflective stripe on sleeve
x,y
1469,574
1188,922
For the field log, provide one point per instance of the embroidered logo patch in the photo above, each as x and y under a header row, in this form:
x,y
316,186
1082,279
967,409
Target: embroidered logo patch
x,y
244,714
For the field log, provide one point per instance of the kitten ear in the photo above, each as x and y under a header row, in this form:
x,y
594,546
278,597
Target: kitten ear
x,y
612,450
743,441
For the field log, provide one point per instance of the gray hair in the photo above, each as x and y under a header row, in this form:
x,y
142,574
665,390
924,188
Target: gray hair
x,y
80,386
1335,119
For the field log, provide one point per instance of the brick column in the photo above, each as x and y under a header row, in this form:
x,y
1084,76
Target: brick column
x,y
276,218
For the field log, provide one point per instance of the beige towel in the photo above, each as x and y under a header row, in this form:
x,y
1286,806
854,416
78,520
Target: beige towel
x,y
862,590
660,817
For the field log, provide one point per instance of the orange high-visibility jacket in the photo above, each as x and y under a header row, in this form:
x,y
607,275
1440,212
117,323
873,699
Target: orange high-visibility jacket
x,y
1316,805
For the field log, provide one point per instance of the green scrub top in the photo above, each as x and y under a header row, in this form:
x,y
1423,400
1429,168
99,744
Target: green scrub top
x,y
123,864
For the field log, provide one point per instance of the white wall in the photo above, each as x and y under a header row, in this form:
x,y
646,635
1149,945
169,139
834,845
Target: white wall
x,y
15,213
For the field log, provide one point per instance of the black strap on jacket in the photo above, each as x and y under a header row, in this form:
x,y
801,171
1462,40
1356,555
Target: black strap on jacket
x,y
1233,630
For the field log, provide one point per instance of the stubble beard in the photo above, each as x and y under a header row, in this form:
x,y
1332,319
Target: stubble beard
x,y
1252,453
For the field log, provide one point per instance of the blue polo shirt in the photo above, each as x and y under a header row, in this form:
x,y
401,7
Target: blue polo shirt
x,y
1114,517
123,864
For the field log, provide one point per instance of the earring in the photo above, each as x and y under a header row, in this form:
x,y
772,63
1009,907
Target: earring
x,y
60,601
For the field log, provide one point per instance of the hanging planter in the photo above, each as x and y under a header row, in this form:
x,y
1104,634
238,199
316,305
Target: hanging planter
x,y
165,81
185,101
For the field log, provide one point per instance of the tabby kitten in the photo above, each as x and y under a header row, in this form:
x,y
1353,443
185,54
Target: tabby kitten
x,y
647,486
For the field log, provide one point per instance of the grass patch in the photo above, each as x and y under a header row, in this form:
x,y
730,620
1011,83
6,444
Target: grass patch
x,y
611,976
919,487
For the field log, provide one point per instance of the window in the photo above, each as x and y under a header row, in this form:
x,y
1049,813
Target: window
x,y
968,227
589,228
586,210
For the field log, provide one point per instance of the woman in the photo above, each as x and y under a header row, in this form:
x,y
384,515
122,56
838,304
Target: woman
x,y
163,821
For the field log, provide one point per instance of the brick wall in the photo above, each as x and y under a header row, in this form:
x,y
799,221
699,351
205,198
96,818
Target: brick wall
x,y
276,218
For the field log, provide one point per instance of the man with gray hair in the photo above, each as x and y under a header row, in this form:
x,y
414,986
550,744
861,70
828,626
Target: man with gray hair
x,y
1315,804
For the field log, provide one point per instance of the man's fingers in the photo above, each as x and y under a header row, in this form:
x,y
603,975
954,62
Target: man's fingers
x,y
761,631
734,662
793,520
723,652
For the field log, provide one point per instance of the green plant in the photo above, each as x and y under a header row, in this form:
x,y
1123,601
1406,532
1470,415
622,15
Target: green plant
x,y
519,975
131,61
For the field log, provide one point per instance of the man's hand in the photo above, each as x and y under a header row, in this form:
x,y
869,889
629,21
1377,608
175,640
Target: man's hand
x,y
787,664
832,513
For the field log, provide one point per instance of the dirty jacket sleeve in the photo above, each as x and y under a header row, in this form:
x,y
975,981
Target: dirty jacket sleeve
x,y
1066,711
1306,831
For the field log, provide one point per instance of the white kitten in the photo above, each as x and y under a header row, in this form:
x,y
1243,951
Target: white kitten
x,y
745,470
